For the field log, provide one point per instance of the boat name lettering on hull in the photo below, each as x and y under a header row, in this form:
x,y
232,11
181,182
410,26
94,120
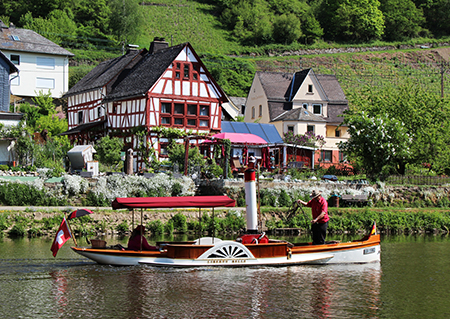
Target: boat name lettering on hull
x,y
225,261
369,251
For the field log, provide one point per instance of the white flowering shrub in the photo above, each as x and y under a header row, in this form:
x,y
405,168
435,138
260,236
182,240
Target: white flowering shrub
x,y
75,185
160,185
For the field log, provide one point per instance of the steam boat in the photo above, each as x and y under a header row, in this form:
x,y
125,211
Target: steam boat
x,y
251,249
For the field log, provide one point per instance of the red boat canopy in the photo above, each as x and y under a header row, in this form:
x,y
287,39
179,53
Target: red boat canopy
x,y
173,202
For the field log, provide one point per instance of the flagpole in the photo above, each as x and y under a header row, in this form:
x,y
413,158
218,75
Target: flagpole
x,y
73,235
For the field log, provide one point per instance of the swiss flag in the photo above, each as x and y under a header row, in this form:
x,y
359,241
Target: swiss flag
x,y
61,237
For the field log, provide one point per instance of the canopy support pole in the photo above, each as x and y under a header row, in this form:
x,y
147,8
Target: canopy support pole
x,y
141,230
214,226
200,225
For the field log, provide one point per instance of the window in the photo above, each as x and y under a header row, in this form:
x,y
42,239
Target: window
x,y
15,59
166,108
342,157
186,71
45,63
253,112
195,71
184,114
260,110
310,128
310,88
192,109
44,83
178,108
99,111
326,156
114,108
305,106
177,75
165,120
15,80
290,128
80,117
204,110
317,108
178,66
163,150
337,133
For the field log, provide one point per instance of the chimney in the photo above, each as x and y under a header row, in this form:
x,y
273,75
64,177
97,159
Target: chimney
x,y
158,44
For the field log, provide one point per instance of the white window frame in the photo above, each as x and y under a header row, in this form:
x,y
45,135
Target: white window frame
x,y
310,128
45,83
45,63
15,80
320,107
325,158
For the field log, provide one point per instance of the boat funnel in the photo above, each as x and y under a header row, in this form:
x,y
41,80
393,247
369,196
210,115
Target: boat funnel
x,y
250,197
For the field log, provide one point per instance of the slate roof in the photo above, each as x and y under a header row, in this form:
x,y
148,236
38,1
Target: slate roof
x,y
28,41
106,71
299,114
281,87
144,74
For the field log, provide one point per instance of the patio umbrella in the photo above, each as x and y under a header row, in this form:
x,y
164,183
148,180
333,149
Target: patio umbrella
x,y
79,213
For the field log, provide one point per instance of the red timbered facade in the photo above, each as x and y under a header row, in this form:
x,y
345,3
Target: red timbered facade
x,y
165,86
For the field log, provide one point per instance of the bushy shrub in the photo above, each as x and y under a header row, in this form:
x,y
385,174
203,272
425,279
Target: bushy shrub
x,y
123,227
4,167
169,227
179,222
156,227
18,230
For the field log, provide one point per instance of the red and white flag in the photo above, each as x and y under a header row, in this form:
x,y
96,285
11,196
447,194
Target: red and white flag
x,y
62,236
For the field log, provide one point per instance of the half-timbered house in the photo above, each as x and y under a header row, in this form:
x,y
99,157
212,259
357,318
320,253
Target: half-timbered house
x,y
163,86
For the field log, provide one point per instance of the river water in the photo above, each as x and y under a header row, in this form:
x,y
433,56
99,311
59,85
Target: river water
x,y
412,281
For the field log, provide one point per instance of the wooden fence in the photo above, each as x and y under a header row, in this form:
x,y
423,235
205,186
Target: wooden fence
x,y
418,180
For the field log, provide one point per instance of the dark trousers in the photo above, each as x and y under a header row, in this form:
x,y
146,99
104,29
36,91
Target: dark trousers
x,y
319,232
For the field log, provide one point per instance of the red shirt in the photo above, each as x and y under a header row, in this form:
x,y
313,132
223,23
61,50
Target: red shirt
x,y
135,244
317,207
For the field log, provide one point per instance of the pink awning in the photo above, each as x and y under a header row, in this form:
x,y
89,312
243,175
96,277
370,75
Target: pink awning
x,y
173,202
241,138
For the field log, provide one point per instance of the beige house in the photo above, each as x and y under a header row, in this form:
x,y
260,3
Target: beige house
x,y
301,102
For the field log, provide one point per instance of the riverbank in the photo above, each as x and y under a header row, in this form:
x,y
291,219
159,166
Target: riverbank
x,y
40,221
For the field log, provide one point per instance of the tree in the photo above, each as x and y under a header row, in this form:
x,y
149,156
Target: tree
x,y
402,19
311,29
126,20
286,28
379,142
391,127
108,150
352,20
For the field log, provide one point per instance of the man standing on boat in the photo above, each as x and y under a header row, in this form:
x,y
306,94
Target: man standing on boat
x,y
319,209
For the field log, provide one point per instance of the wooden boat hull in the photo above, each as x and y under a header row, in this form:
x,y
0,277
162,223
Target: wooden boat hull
x,y
235,254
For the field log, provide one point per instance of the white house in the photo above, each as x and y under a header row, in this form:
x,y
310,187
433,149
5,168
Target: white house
x,y
43,65
301,102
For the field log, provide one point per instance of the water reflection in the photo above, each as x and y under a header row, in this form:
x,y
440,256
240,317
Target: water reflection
x,y
410,281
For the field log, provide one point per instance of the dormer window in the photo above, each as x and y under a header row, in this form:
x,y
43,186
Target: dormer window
x,y
15,38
